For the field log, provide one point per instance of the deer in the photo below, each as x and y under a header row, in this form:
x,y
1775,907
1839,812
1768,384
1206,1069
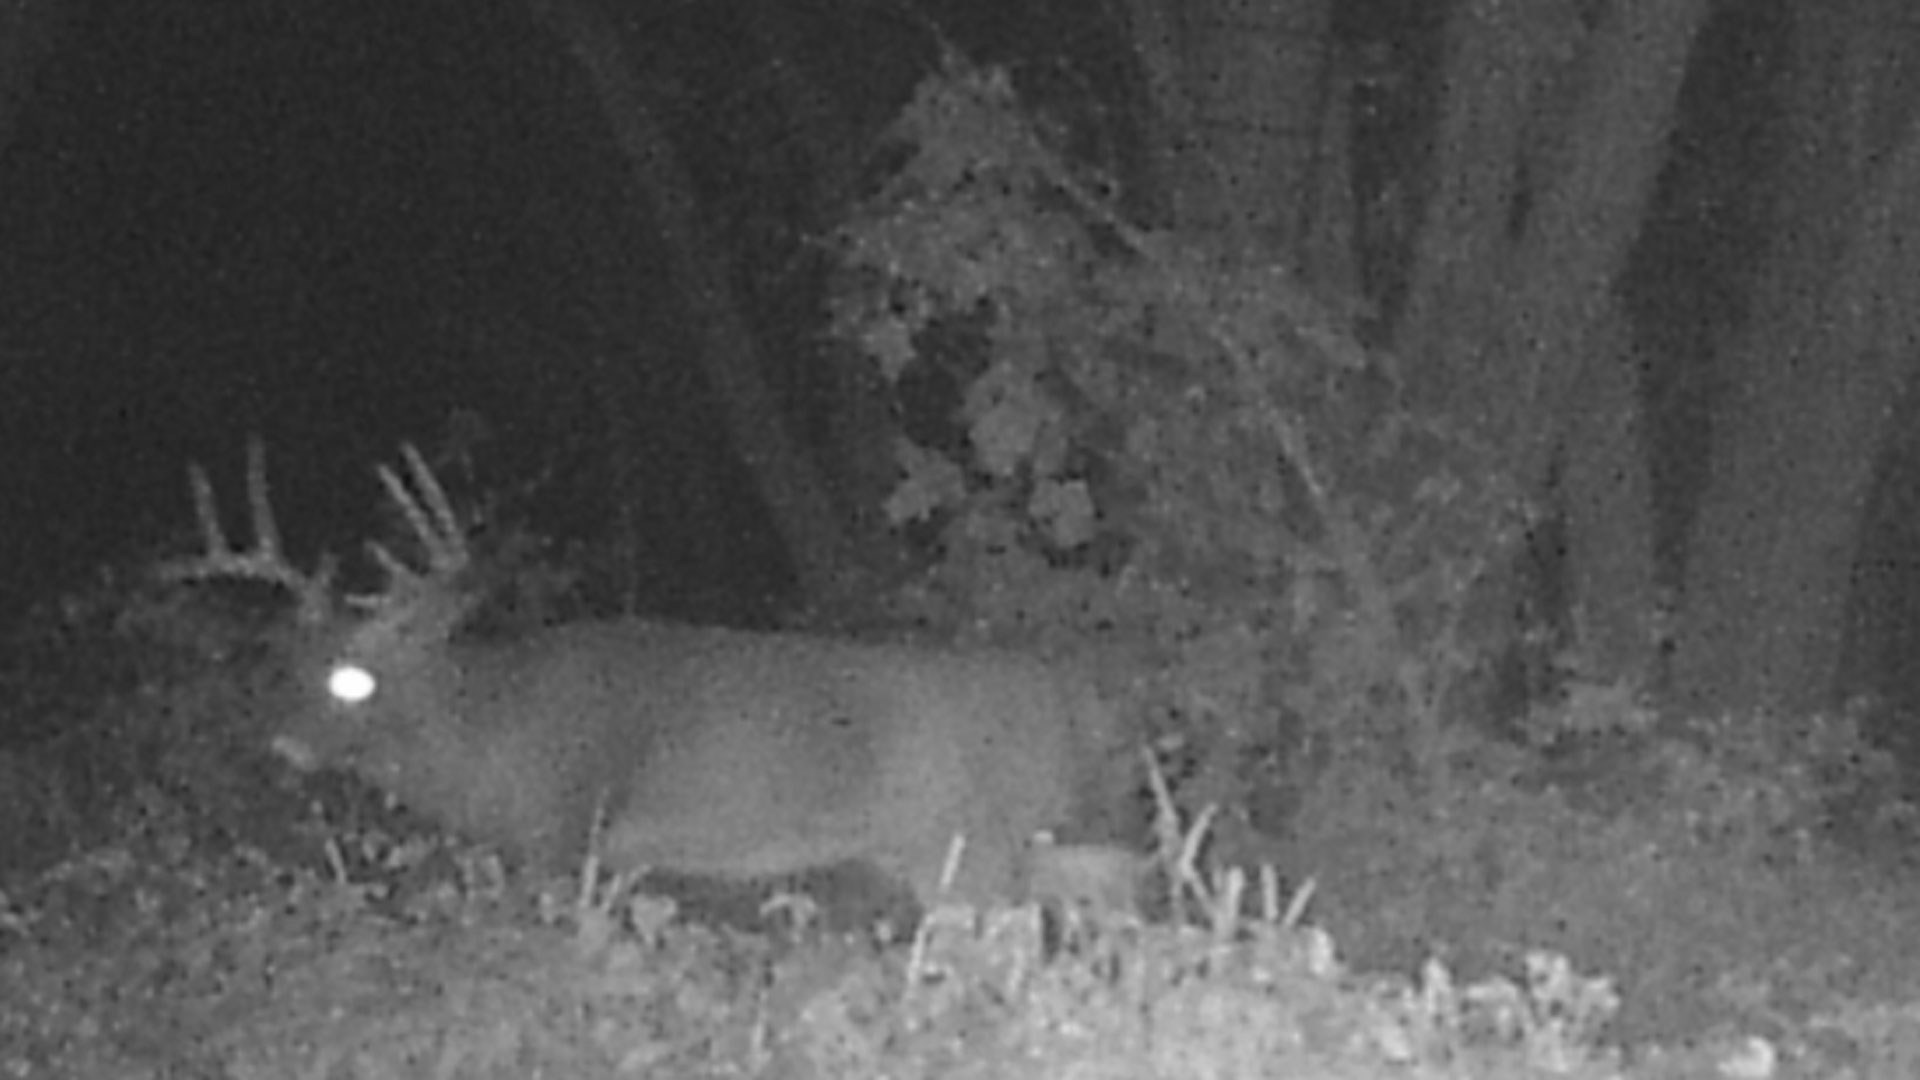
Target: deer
x,y
665,747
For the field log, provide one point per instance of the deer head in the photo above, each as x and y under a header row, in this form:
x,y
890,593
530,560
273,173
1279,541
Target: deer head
x,y
345,644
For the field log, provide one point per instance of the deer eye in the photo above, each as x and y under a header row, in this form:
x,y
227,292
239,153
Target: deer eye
x,y
351,684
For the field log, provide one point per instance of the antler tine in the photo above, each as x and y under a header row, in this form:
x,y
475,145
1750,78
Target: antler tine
x,y
212,533
429,514
265,561
266,530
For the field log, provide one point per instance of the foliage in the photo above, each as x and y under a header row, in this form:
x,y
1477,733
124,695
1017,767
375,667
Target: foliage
x,y
1181,452
1655,857
142,961
134,693
114,634
1185,456
150,956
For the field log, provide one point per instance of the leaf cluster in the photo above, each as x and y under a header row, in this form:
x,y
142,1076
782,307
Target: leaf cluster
x,y
1114,430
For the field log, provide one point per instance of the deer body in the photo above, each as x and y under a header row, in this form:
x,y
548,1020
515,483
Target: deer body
x,y
731,754
695,751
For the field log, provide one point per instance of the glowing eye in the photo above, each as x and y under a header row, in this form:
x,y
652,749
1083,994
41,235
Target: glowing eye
x,y
351,684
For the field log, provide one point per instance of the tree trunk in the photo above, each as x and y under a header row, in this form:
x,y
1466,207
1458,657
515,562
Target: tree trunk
x,y
1606,489
784,472
1503,329
1825,361
859,430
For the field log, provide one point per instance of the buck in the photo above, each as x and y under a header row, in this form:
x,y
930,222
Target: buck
x,y
689,750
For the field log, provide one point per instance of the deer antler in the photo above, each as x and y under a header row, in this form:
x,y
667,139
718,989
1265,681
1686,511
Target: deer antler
x,y
267,561
421,606
430,515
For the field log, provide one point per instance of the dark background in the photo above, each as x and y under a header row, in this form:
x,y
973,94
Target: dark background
x,y
338,225
341,225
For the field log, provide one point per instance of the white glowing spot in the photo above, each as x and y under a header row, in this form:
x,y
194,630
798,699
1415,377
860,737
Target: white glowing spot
x,y
351,684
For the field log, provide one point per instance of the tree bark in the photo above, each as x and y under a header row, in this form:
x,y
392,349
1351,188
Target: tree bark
x,y
1531,306
1606,488
860,432
1503,328
786,476
1824,364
